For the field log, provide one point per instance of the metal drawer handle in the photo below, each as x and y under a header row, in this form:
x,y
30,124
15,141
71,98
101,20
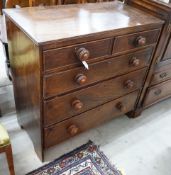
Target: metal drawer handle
x,y
158,92
163,75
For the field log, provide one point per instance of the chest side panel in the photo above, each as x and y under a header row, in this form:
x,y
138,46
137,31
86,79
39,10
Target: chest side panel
x,y
25,67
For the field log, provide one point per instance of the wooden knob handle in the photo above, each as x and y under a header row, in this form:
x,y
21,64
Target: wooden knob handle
x,y
82,54
140,41
73,130
121,107
81,79
129,84
77,104
158,92
134,62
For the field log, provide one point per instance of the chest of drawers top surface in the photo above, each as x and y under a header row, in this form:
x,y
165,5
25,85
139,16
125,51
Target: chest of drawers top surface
x,y
46,24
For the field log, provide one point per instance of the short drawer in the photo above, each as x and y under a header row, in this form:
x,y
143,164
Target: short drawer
x,y
61,108
75,125
61,57
161,75
137,40
158,93
73,79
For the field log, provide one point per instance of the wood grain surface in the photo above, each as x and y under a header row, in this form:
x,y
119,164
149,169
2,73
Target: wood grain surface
x,y
62,82
159,73
59,132
61,108
76,20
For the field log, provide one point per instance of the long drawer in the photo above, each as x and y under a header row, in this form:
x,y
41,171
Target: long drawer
x,y
55,58
162,74
66,106
62,82
71,127
158,93
136,40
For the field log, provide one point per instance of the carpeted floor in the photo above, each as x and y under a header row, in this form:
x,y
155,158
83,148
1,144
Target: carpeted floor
x,y
84,160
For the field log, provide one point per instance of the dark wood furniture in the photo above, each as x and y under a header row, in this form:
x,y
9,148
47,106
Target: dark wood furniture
x,y
30,3
27,3
158,87
5,147
1,6
20,3
8,151
56,97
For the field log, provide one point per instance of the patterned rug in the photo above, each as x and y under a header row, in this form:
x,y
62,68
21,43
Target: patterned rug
x,y
85,160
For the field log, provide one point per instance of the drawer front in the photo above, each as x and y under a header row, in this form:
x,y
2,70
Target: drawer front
x,y
89,119
158,93
66,106
63,82
133,41
167,54
161,75
53,59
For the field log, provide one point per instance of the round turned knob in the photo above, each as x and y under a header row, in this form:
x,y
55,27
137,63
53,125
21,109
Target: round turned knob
x,y
129,84
134,61
163,75
77,105
141,41
82,54
158,92
81,79
73,130
121,107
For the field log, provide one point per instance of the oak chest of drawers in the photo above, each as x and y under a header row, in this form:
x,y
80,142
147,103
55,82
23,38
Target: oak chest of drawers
x,y
158,86
56,96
